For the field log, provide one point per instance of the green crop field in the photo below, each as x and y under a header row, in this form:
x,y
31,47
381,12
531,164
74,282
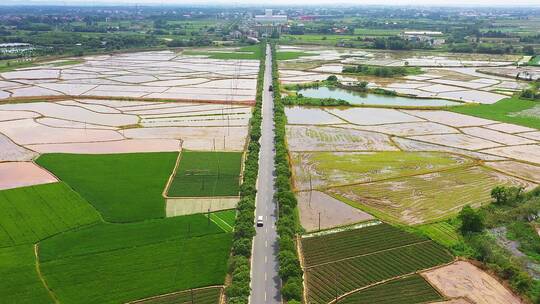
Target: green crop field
x,y
202,174
104,237
111,263
247,52
511,110
19,279
287,55
224,219
122,187
30,214
349,243
535,60
441,232
345,261
327,169
376,32
209,295
408,290
423,198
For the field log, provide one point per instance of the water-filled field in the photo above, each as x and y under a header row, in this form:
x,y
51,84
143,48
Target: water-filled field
x,y
358,98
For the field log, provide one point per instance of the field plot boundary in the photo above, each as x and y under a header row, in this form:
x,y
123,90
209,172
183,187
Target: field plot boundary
x,y
220,287
198,204
316,251
193,205
41,277
26,99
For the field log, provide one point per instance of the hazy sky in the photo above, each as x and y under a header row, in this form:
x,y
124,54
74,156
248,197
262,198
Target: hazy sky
x,y
297,2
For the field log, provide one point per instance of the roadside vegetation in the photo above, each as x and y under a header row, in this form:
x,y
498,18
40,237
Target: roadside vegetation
x,y
239,262
288,225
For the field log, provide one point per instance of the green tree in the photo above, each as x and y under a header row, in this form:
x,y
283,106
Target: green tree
x,y
471,221
332,78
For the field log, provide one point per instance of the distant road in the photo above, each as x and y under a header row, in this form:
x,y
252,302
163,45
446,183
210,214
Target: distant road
x,y
265,281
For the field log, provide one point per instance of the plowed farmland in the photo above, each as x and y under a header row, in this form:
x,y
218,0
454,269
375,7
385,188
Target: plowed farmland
x,y
342,262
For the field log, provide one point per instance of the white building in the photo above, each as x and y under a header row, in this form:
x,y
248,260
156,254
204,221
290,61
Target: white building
x,y
270,18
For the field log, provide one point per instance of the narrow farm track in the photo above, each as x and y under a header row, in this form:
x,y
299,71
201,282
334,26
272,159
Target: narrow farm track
x,y
40,276
265,282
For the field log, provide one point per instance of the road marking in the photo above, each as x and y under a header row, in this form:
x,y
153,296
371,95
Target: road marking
x,y
266,259
266,243
265,296
266,276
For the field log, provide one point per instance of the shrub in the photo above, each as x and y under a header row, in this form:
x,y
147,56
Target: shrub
x,y
471,221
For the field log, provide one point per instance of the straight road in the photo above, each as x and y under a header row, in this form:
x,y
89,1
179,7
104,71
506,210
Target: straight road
x,y
265,281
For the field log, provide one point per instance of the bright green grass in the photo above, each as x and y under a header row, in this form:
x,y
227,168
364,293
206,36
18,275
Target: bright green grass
x,y
535,60
286,55
19,279
224,219
105,237
423,198
441,232
30,214
10,65
247,52
122,187
505,110
327,169
130,273
198,296
408,290
207,174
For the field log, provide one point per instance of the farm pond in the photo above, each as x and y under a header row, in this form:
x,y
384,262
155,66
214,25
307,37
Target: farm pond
x,y
358,98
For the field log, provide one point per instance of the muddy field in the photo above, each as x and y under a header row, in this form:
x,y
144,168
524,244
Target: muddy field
x,y
462,279
315,205
158,75
334,158
460,77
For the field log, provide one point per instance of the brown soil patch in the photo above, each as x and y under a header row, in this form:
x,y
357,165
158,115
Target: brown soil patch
x,y
332,211
462,279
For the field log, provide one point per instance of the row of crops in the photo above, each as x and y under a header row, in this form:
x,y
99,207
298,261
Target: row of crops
x,y
210,295
407,290
350,243
340,263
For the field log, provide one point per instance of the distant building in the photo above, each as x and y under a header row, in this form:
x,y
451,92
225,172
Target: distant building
x,y
431,37
269,23
270,18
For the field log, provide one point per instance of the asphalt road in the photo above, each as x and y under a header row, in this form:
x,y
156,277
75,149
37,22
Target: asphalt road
x,y
265,281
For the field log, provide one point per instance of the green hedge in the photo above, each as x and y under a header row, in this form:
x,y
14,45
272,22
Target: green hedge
x,y
288,226
239,263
